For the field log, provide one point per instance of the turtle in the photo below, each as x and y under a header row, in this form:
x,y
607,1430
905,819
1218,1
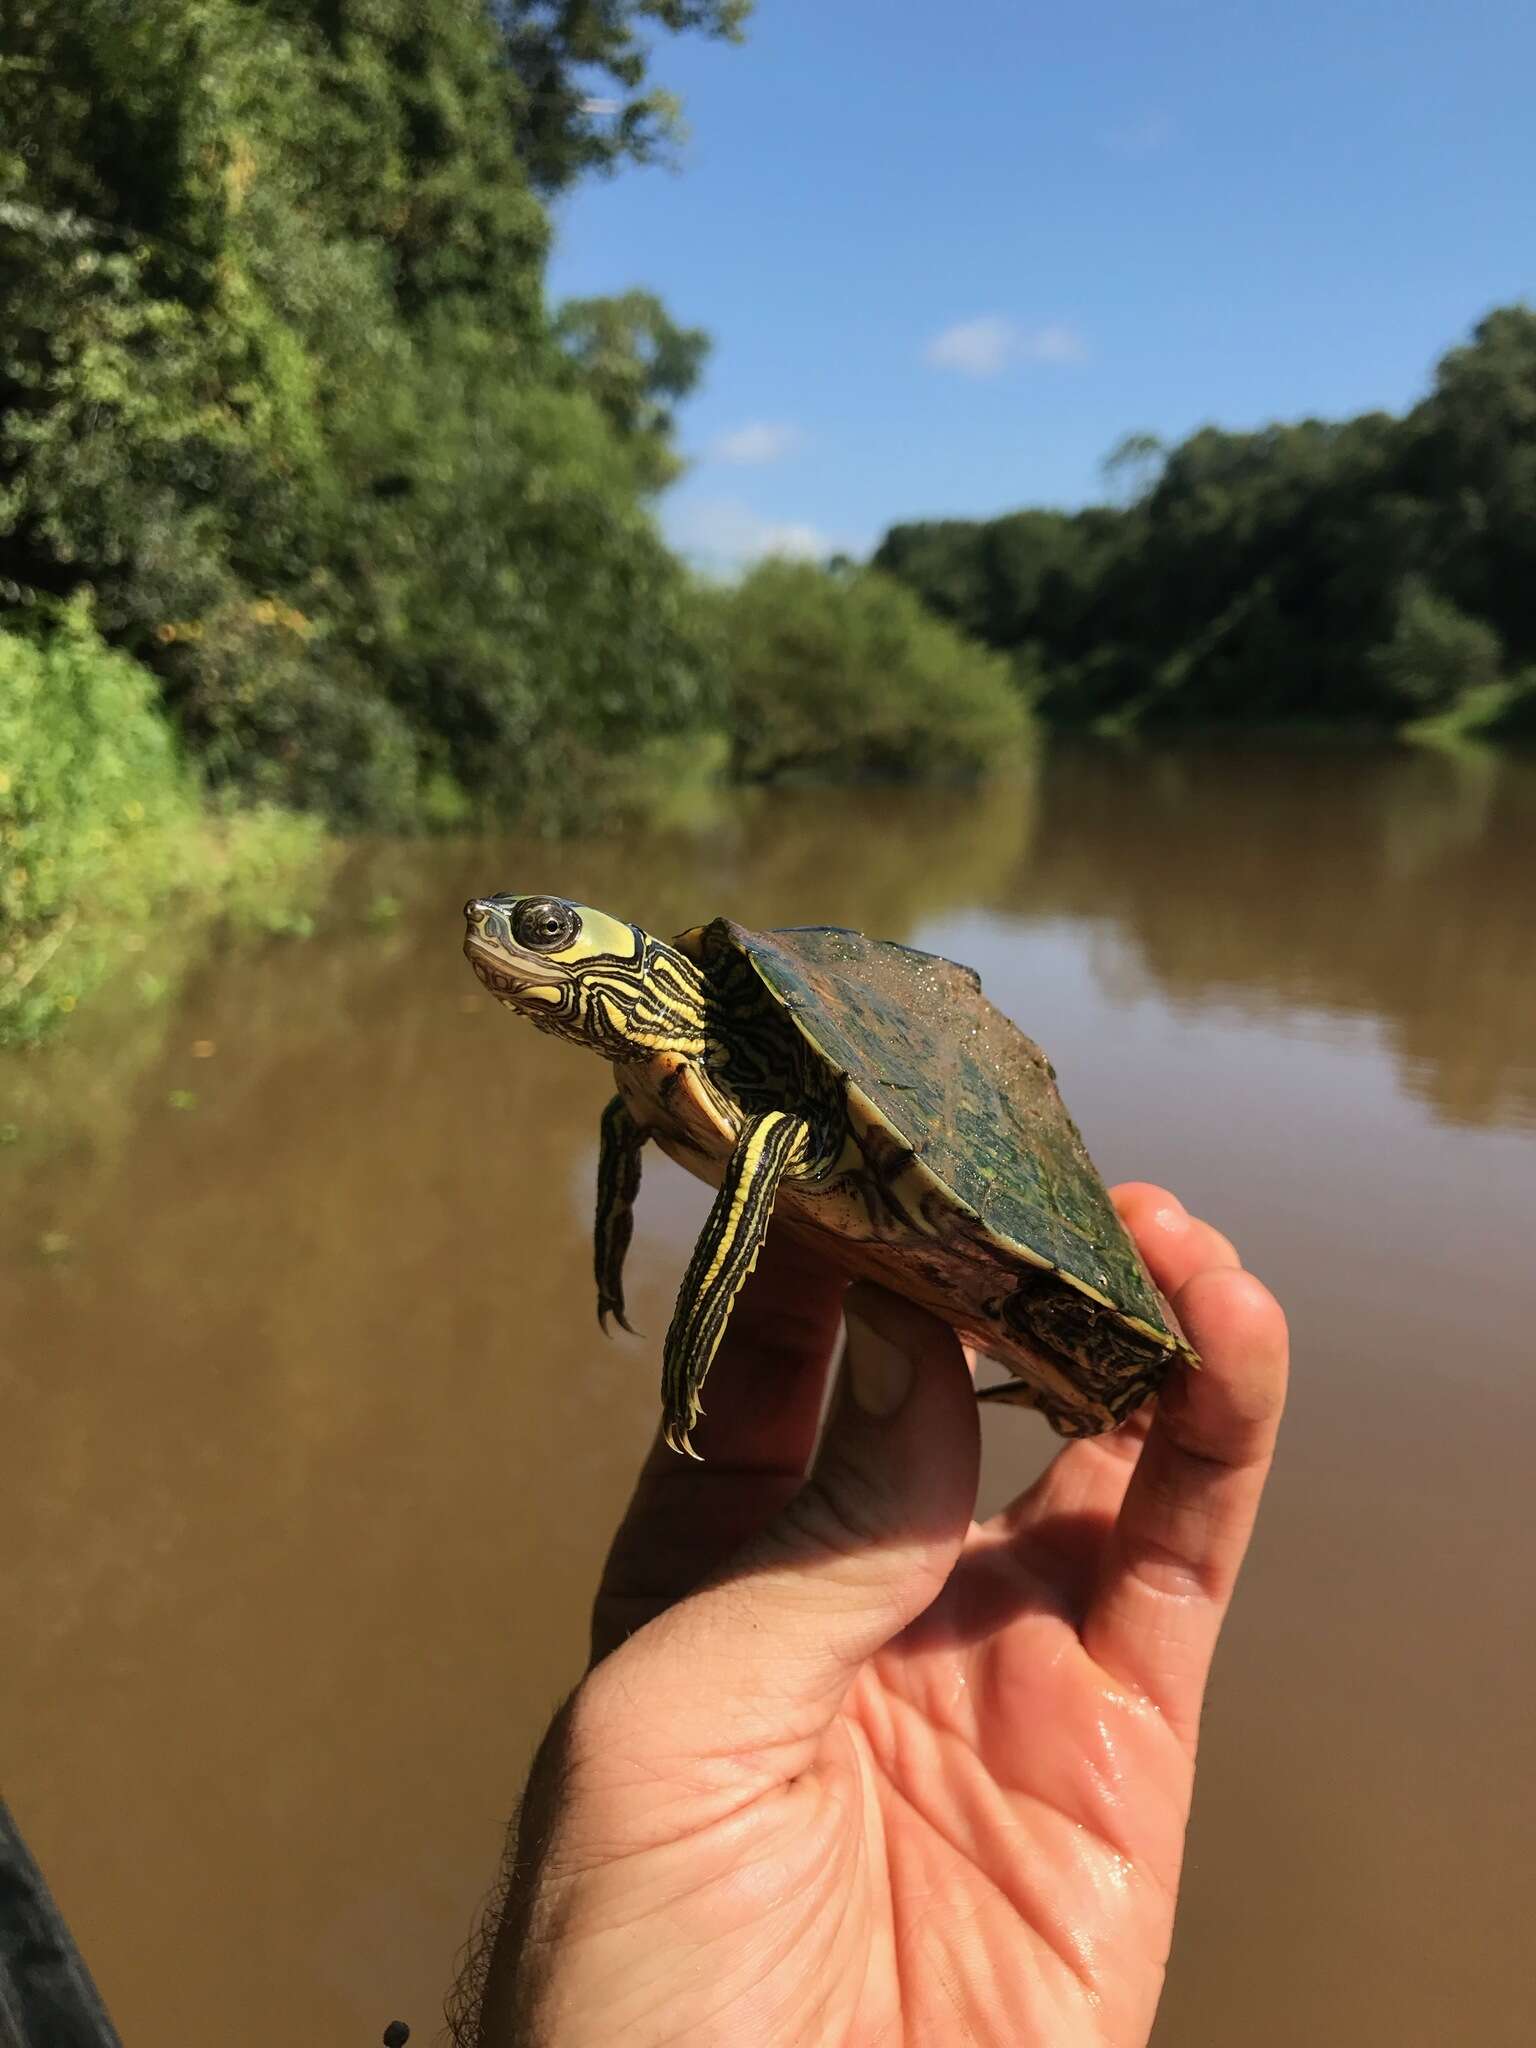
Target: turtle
x,y
871,1099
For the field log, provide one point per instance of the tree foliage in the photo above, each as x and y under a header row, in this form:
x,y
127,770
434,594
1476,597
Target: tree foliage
x,y
637,363
1373,569
280,389
565,52
1435,654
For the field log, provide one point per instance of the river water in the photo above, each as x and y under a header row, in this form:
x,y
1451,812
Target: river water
x,y
310,1448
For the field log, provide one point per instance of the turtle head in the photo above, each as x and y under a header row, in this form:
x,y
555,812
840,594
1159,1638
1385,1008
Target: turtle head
x,y
586,976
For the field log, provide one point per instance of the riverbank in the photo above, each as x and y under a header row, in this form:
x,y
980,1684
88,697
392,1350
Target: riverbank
x,y
109,823
107,834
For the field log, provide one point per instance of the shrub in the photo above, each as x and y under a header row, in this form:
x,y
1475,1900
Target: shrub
x,y
101,821
274,719
843,674
1436,654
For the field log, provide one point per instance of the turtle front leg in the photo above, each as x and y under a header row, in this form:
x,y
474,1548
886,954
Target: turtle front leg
x,y
618,1183
725,1254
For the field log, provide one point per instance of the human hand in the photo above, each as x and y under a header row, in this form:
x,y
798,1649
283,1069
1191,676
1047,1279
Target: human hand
x,y
854,1768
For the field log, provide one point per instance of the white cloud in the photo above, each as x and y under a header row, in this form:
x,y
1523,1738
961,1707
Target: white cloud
x,y
977,348
757,442
725,533
989,346
1138,139
1055,343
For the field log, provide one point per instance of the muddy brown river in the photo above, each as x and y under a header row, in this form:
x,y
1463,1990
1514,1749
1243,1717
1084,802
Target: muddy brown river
x,y
309,1446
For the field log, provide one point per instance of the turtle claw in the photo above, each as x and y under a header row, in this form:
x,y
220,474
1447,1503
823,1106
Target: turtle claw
x,y
607,1307
678,1436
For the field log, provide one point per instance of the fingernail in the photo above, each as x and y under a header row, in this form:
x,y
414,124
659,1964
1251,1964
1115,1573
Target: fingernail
x,y
879,1372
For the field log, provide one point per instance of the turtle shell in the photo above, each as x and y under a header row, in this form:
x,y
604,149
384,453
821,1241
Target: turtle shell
x,y
958,1120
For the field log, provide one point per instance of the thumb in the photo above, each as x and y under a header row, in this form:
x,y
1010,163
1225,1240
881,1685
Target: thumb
x,y
763,1653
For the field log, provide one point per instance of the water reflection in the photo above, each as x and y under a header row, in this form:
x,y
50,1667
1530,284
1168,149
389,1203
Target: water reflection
x,y
1398,887
311,1447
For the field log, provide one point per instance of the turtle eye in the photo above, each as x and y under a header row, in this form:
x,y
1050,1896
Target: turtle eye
x,y
544,924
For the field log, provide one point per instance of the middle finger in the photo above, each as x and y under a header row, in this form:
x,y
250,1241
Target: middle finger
x,y
1071,1507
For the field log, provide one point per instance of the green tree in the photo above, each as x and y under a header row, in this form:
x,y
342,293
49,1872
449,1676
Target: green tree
x,y
1472,457
517,599
638,364
278,384
562,52
1133,465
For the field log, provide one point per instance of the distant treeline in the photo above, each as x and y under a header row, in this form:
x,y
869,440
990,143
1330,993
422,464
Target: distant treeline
x,y
1379,570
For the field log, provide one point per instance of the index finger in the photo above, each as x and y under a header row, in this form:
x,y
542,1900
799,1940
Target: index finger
x,y
1183,1528
755,1439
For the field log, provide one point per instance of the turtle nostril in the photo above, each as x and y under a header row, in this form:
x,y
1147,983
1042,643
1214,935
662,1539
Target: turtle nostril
x,y
476,911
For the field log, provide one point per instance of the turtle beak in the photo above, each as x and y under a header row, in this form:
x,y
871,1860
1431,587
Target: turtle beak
x,y
488,942
485,930
496,956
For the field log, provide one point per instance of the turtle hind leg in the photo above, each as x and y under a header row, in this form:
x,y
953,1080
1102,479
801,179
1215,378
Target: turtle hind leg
x,y
618,1183
732,1237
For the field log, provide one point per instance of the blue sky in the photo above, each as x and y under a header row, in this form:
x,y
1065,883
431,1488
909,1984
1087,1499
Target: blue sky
x,y
949,255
